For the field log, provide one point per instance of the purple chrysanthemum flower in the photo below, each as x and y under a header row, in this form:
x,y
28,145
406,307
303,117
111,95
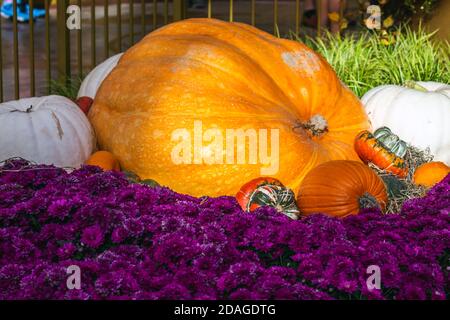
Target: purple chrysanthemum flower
x,y
92,236
135,242
66,251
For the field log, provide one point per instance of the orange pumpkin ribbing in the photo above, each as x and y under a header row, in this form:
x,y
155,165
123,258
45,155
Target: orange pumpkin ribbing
x,y
228,76
341,188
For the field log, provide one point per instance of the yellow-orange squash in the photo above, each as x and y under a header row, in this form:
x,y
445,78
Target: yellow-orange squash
x,y
105,160
341,188
165,110
429,174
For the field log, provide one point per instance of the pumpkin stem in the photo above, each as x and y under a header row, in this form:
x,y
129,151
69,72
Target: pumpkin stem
x,y
316,126
367,201
414,85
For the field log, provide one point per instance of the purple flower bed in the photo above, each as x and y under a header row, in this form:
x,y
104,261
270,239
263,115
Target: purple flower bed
x,y
135,242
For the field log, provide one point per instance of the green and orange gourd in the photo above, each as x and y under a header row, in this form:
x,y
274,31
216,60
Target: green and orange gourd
x,y
384,149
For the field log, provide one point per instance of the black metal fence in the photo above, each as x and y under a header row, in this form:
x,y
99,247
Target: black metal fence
x,y
37,52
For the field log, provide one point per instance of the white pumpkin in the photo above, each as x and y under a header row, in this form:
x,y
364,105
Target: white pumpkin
x,y
418,113
94,79
46,130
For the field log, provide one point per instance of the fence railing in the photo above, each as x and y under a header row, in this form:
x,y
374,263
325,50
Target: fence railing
x,y
38,52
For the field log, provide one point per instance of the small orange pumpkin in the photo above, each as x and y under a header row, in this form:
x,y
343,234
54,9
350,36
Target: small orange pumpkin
x,y
429,174
105,160
341,188
371,149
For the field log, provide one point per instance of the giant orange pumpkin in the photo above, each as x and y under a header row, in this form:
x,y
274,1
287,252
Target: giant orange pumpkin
x,y
168,106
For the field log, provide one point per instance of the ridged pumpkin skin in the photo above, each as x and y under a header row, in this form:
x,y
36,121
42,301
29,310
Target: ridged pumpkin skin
x,y
341,188
419,113
228,76
46,130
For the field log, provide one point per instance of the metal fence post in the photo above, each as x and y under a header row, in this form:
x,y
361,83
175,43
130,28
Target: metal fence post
x,y
63,41
179,10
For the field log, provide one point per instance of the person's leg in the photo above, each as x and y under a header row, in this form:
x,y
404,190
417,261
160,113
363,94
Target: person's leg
x,y
6,10
22,11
